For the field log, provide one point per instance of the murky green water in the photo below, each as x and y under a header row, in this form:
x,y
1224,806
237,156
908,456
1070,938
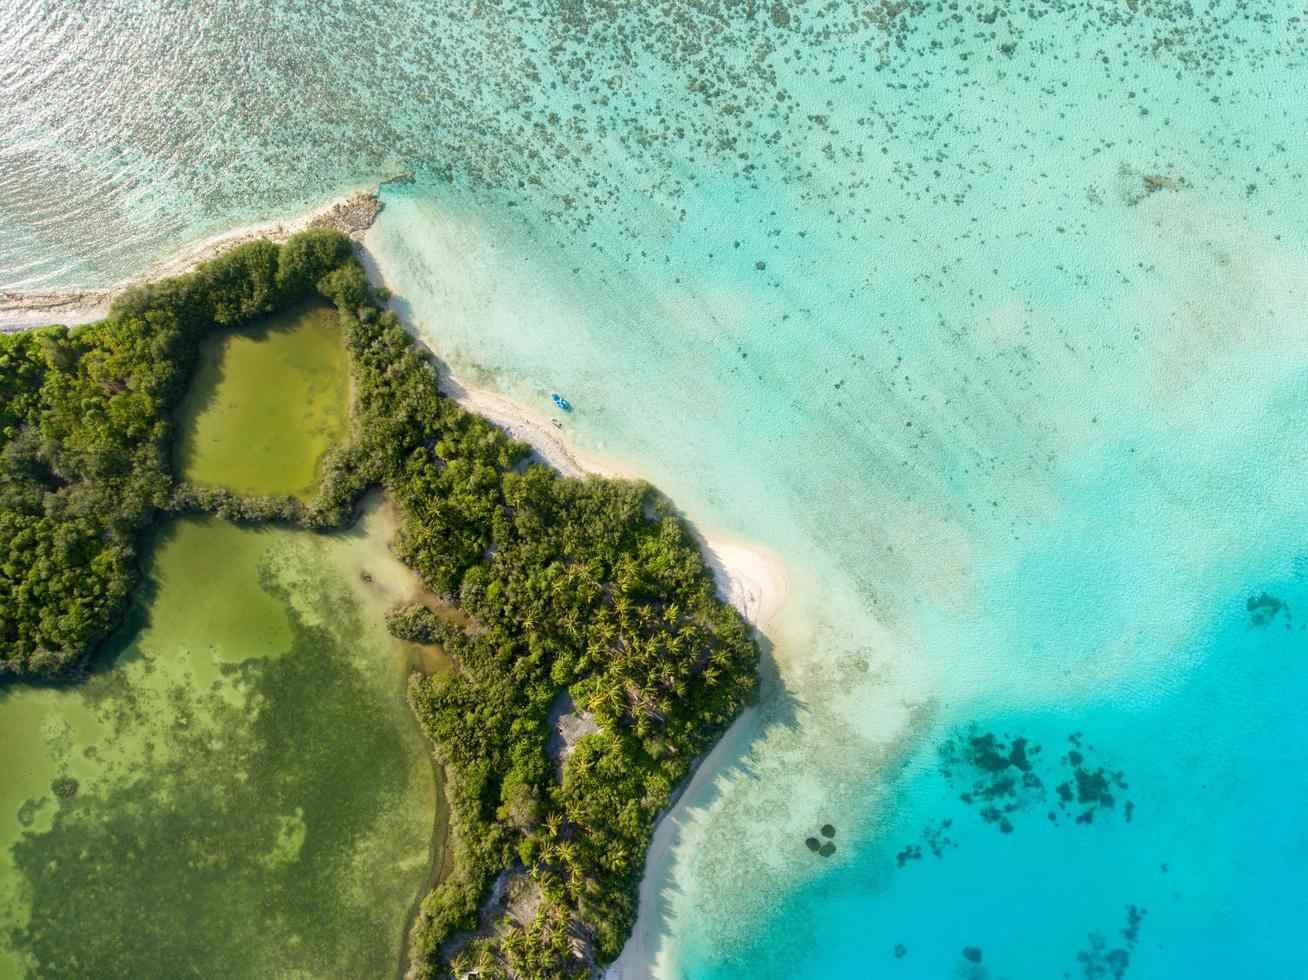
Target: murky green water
x,y
252,796
266,403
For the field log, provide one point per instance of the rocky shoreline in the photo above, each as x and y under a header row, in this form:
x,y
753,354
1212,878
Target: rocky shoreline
x,y
352,215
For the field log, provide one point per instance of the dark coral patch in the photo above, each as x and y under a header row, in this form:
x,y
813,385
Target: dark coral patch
x,y
1263,609
1002,776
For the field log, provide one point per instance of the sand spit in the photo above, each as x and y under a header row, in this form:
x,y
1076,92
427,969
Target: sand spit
x,y
352,215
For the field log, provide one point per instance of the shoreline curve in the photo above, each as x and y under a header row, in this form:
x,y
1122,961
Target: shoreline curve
x,y
351,213
748,576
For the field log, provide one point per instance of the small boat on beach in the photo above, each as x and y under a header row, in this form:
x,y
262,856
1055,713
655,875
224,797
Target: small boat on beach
x,y
562,402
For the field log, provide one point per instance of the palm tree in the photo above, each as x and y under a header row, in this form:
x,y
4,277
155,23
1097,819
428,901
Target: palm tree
x,y
462,963
567,852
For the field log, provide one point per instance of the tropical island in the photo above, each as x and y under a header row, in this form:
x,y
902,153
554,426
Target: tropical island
x,y
583,660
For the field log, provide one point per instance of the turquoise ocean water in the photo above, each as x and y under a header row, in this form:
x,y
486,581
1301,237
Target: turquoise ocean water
x,y
989,318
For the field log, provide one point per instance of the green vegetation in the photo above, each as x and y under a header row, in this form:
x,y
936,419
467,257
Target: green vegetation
x,y
592,587
252,796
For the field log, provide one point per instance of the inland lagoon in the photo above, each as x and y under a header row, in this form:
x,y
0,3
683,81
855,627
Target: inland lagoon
x,y
239,789
265,404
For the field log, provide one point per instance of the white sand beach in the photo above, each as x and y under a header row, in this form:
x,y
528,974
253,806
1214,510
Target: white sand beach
x,y
351,214
751,578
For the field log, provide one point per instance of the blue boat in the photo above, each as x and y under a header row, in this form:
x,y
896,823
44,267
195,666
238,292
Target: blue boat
x,y
562,402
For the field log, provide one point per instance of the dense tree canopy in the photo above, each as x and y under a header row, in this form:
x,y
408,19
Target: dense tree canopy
x,y
591,587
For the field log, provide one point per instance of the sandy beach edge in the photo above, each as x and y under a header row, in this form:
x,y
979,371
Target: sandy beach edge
x,y
351,213
751,578
748,576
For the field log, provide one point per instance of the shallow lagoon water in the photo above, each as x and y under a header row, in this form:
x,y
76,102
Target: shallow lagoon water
x,y
250,794
989,318
265,404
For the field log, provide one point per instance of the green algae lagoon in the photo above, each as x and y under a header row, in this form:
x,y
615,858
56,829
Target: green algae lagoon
x,y
241,790
265,404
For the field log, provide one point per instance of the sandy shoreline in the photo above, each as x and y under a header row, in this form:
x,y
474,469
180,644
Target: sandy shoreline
x,y
640,957
749,577
351,214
